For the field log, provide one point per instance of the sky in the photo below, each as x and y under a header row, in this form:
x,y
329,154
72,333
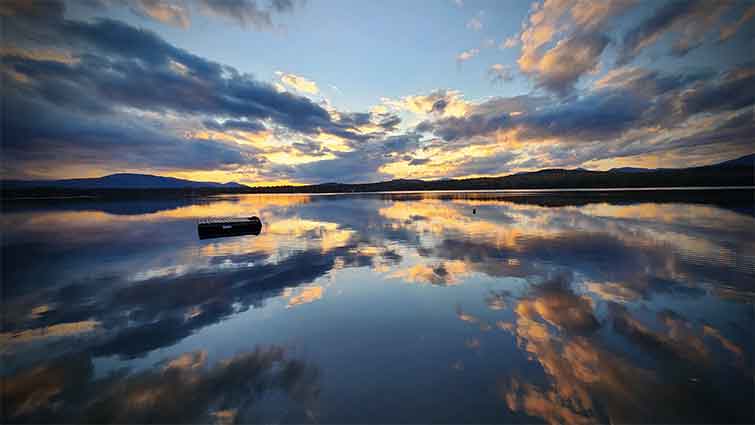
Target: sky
x,y
274,92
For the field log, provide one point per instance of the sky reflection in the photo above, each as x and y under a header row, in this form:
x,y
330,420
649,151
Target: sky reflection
x,y
380,308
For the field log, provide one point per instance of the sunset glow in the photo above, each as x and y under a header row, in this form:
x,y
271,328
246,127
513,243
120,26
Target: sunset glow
x,y
263,94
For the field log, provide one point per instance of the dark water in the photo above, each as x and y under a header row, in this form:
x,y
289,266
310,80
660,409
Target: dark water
x,y
403,308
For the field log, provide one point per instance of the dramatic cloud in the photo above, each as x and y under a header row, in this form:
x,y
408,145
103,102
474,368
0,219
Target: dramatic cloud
x,y
690,19
620,117
88,94
728,31
557,64
363,165
560,67
245,13
33,10
599,115
99,81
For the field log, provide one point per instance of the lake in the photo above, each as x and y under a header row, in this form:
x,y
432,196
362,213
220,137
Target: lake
x,y
523,307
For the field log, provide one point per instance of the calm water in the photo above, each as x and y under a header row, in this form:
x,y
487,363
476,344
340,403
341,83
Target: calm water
x,y
381,308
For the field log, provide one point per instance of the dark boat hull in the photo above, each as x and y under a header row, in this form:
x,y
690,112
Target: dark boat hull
x,y
252,226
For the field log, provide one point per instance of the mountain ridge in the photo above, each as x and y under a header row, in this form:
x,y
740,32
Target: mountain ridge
x,y
122,181
735,172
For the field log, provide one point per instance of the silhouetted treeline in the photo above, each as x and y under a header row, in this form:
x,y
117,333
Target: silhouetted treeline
x,y
546,179
57,192
717,175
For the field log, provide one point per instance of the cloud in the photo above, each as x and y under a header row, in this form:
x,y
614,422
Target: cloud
x,y
499,73
474,24
206,89
250,126
563,40
728,31
299,83
467,55
123,98
648,82
589,15
628,112
165,11
439,102
358,166
483,118
454,128
336,89
600,116
246,13
85,95
32,10
282,5
59,135
510,42
692,19
561,67
732,90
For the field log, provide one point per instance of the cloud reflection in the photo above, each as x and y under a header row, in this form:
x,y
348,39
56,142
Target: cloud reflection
x,y
600,301
183,389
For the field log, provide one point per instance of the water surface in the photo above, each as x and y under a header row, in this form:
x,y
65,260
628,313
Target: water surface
x,y
411,308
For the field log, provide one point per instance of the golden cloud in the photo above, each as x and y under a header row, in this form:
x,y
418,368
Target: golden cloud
x,y
298,83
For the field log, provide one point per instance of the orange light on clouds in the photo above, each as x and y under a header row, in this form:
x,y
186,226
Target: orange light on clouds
x,y
257,139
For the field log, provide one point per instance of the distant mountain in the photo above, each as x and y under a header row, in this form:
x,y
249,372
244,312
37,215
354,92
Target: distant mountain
x,y
120,181
747,160
737,172
632,170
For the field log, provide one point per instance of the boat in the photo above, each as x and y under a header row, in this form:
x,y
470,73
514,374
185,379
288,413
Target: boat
x,y
228,226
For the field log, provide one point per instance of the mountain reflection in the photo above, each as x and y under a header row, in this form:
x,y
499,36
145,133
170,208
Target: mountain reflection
x,y
608,309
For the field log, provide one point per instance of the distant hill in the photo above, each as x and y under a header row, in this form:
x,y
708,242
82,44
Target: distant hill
x,y
737,172
120,181
745,161
632,170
